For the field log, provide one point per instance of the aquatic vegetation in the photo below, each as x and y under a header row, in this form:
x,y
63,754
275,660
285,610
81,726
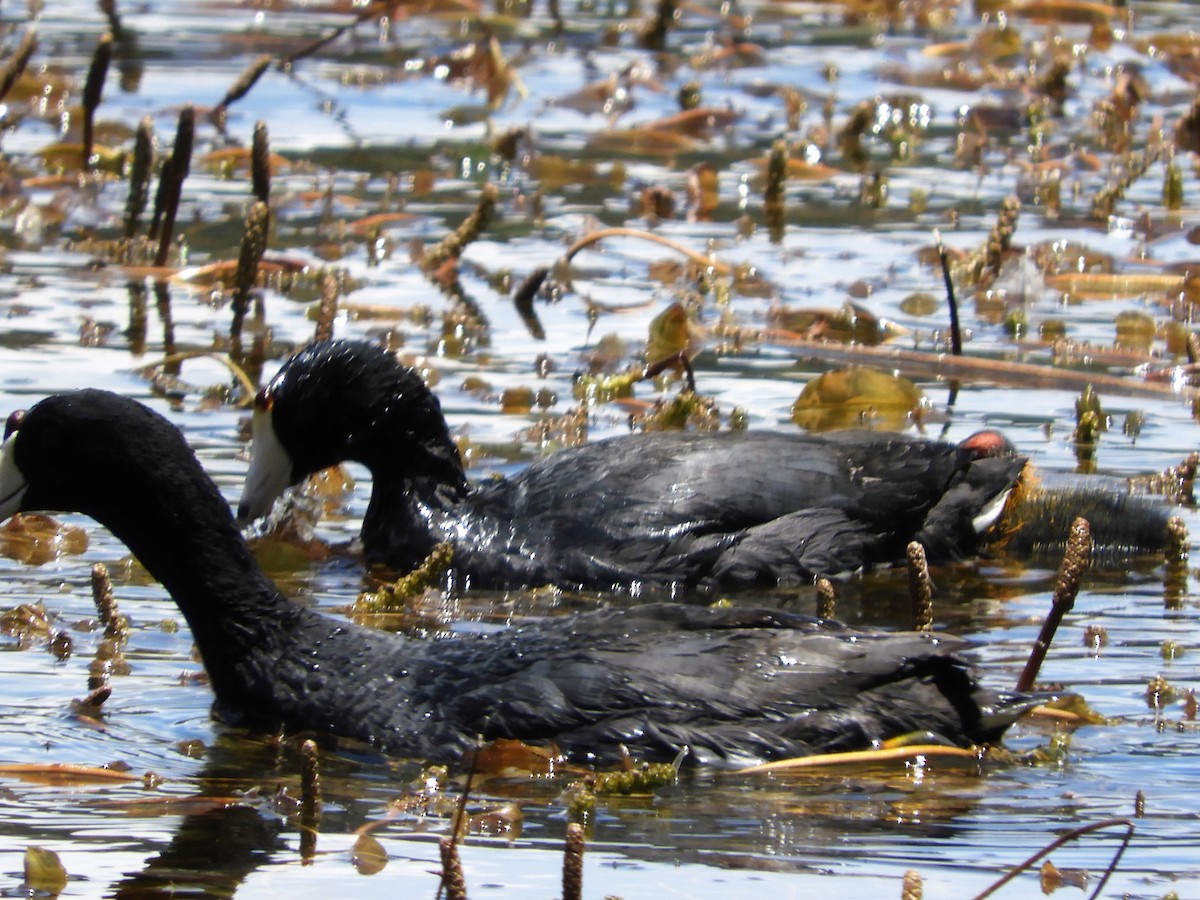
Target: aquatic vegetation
x,y
634,181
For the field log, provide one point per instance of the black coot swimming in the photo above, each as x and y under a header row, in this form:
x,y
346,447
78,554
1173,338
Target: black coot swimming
x,y
734,685
726,509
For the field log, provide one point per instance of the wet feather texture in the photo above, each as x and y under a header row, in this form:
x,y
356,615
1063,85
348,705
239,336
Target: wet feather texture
x,y
694,509
733,685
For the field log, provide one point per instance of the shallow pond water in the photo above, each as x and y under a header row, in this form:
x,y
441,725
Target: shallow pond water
x,y
371,123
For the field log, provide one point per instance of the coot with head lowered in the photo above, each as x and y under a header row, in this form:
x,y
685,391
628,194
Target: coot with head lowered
x,y
733,685
727,509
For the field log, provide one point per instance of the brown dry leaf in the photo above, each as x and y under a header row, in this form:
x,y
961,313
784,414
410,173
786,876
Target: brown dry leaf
x,y
554,172
35,539
642,140
1064,12
68,157
224,272
64,773
29,622
851,397
368,856
797,170
503,821
1109,285
46,88
504,757
367,224
1181,43
697,123
238,159
850,323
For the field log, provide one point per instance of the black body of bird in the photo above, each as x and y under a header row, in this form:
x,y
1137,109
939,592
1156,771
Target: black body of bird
x,y
733,685
725,509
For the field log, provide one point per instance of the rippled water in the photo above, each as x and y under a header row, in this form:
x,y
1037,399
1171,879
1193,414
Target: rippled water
x,y
366,129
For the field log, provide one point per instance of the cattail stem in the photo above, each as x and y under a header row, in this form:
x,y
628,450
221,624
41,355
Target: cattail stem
x,y
254,244
920,587
16,64
572,875
453,882
1075,560
310,799
826,601
453,245
327,308
241,87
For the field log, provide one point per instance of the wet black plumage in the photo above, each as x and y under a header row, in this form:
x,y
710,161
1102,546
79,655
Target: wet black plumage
x,y
728,509
734,685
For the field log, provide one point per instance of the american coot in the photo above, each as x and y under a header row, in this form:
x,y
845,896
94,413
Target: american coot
x,y
667,508
732,684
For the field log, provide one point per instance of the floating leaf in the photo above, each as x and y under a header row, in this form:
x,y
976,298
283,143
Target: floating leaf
x,y
29,621
36,539
851,397
797,170
920,303
224,272
233,159
368,855
44,871
1135,330
505,756
68,157
373,224
1107,285
503,821
642,141
670,333
64,773
851,323
1064,12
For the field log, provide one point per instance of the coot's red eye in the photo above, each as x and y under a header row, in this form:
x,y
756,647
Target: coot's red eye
x,y
264,400
14,422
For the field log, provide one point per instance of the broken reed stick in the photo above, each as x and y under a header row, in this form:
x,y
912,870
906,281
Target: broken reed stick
x,y
884,754
93,89
1063,840
241,87
572,873
951,299
1075,560
17,62
920,587
924,363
